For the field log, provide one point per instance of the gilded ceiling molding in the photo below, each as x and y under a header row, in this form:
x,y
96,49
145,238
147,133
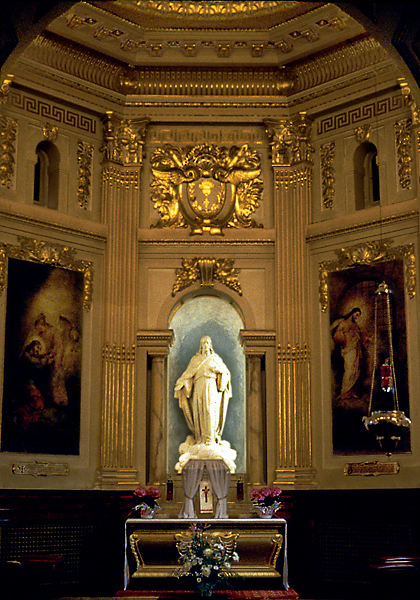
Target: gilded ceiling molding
x,y
302,75
206,271
67,57
155,81
347,58
5,88
55,255
290,140
328,174
370,110
209,8
403,130
8,133
124,139
367,254
206,187
84,160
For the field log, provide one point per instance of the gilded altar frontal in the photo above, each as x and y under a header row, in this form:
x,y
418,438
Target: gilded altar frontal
x,y
246,172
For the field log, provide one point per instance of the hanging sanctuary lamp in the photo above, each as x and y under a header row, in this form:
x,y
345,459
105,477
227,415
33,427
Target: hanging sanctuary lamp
x,y
384,420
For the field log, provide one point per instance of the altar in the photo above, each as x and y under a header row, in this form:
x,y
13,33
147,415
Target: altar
x,y
151,556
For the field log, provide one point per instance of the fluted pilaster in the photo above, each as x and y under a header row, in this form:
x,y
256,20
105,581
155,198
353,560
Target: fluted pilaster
x,y
123,152
292,166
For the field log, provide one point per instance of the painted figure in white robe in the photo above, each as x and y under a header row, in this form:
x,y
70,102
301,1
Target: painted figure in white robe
x,y
203,392
349,337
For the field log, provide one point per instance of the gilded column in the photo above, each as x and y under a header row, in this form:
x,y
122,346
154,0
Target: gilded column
x,y
123,155
291,153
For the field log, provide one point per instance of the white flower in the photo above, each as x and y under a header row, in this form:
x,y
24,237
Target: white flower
x,y
208,552
235,556
206,570
226,565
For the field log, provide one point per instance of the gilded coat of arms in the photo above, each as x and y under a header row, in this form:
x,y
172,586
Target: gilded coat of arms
x,y
206,187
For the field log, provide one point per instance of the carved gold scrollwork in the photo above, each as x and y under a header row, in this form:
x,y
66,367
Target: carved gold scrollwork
x,y
362,133
124,139
5,87
410,101
43,252
290,140
206,187
206,270
367,254
50,132
8,128
84,159
328,174
404,150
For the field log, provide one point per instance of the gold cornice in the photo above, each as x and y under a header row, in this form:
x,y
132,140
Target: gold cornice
x,y
365,225
93,67
75,60
346,58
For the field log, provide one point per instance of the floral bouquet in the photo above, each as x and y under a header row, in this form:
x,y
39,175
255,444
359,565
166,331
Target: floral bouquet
x,y
266,500
148,497
205,557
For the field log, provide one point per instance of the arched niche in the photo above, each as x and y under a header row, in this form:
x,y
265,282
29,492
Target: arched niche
x,y
366,176
46,175
195,316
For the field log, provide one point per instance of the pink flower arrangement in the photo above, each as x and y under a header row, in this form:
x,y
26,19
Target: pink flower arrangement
x,y
266,496
148,495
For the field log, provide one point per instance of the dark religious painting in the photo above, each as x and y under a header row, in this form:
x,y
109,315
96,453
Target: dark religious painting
x,y
41,399
352,333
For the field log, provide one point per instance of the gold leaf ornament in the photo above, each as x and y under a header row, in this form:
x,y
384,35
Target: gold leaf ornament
x,y
206,187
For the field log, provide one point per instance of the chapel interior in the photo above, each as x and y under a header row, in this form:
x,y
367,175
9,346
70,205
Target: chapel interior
x,y
245,170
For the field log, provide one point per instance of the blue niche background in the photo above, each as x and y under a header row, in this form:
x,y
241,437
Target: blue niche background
x,y
216,317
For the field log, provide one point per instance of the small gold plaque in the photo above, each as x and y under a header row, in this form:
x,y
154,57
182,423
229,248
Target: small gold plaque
x,y
372,469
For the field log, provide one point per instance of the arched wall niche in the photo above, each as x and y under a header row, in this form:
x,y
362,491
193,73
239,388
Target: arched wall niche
x,y
216,315
240,304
